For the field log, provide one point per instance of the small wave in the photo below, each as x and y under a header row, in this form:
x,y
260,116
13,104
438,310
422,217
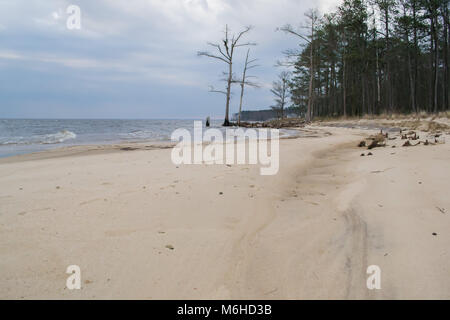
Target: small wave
x,y
59,137
144,134
52,138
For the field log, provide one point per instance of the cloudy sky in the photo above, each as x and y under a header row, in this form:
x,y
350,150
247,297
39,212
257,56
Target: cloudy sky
x,y
135,58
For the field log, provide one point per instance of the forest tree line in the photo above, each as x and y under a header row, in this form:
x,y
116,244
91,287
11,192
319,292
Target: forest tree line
x,y
372,57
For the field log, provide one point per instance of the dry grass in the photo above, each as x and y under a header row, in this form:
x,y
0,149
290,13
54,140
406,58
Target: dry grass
x,y
423,121
387,116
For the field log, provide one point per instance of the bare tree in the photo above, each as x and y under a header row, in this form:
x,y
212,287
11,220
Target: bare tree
x,y
225,54
313,17
249,64
280,91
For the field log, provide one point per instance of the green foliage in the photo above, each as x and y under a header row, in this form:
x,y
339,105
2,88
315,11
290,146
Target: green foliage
x,y
379,56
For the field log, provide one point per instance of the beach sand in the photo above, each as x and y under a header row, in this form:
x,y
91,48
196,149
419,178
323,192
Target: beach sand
x,y
141,227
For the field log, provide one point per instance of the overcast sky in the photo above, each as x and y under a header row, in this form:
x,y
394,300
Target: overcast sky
x,y
135,58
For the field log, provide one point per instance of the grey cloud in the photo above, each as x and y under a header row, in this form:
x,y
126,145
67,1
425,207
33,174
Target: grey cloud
x,y
150,44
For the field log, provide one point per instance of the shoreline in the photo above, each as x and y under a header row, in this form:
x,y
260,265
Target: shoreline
x,y
90,149
140,227
427,124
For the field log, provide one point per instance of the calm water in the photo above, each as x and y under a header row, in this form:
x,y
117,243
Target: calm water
x,y
19,136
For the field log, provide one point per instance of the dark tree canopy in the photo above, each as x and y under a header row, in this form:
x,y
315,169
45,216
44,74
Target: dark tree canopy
x,y
376,56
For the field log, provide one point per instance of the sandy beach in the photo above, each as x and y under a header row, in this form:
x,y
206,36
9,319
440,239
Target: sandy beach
x,y
141,227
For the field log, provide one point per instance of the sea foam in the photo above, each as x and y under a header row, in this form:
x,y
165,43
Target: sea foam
x,y
51,138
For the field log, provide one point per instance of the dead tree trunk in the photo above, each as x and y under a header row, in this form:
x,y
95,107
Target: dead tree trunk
x,y
248,65
225,54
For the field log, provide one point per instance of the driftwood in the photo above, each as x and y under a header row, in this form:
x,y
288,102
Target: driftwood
x,y
377,141
409,144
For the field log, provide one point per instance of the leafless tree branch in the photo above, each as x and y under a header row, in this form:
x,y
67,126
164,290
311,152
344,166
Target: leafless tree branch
x,y
210,55
226,52
211,89
290,30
